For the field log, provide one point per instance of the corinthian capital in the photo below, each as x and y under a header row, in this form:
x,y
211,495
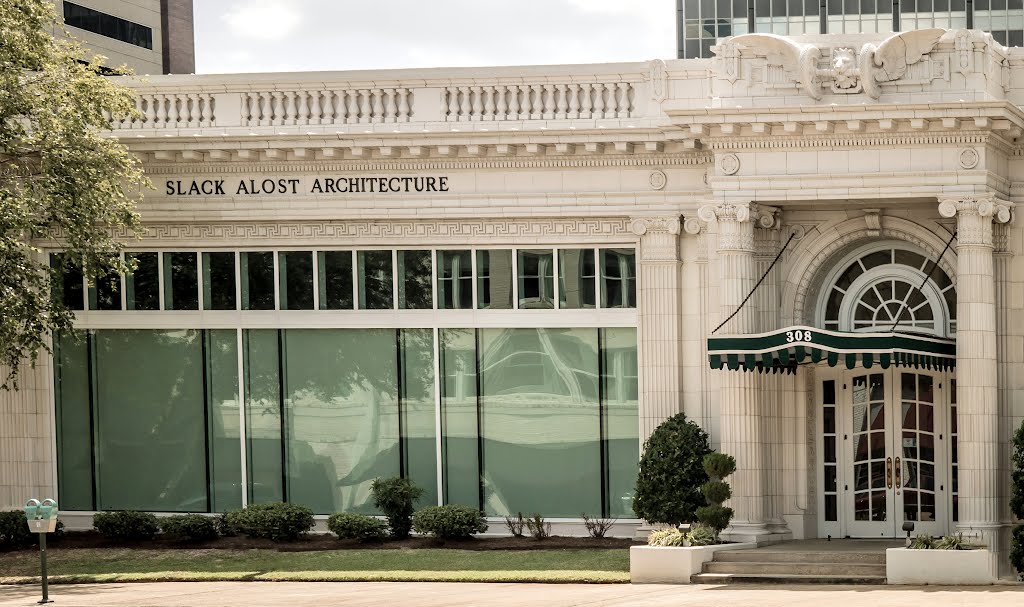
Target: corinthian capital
x,y
985,206
763,216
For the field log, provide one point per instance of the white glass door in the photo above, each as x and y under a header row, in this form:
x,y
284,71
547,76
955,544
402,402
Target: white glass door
x,y
869,487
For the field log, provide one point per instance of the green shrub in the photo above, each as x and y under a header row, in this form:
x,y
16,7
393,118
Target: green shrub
x,y
394,497
349,526
718,465
14,533
279,521
1017,476
539,528
702,535
716,517
715,492
951,542
923,541
666,537
126,525
189,528
515,524
449,522
597,527
224,527
671,472
1017,550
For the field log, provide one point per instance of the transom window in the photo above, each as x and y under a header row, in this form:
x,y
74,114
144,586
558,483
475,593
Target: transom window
x,y
888,286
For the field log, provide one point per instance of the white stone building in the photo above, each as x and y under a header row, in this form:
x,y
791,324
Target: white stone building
x,y
499,281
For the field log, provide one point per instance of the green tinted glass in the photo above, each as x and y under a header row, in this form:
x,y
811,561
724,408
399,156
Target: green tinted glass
x,y
621,418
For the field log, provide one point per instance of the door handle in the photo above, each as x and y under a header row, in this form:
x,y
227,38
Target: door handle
x,y
888,473
899,474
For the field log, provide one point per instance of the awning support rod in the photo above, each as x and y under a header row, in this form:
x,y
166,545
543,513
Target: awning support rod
x,y
763,276
935,265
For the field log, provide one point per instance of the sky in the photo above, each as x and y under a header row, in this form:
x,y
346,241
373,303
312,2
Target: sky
x,y
300,35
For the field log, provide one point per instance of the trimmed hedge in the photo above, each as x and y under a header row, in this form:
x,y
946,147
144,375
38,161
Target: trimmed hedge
x,y
671,472
279,521
349,526
449,522
14,533
394,497
189,528
126,525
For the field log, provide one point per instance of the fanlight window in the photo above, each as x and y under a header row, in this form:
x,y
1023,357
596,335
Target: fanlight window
x,y
880,288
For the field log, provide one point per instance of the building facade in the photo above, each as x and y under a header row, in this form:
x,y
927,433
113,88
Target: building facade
x,y
497,282
149,36
702,22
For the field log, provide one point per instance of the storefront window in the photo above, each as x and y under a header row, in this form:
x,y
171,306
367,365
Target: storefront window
x,y
620,405
295,269
219,281
376,287
263,415
536,279
257,280
454,280
416,391
74,421
494,279
459,424
335,280
414,280
618,278
181,282
142,287
576,278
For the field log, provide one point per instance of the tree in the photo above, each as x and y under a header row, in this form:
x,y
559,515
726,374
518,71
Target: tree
x,y
672,472
61,179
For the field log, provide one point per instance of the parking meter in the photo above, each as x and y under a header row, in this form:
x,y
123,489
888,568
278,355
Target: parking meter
x,y
42,519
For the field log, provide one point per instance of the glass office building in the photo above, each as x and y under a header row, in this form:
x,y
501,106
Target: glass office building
x,y
702,22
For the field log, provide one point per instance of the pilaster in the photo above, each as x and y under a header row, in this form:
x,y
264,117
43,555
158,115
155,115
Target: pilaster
x,y
980,493
659,318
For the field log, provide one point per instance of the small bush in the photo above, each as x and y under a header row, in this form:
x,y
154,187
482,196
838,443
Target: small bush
x,y
360,527
671,471
702,535
1017,551
278,522
666,537
923,541
126,525
515,525
224,527
716,492
719,465
189,528
394,497
449,522
539,529
597,527
715,517
14,533
951,542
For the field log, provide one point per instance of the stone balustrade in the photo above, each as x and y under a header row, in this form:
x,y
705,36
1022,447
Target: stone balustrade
x,y
609,92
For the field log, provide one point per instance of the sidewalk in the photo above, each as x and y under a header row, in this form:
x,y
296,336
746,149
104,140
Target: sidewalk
x,y
416,594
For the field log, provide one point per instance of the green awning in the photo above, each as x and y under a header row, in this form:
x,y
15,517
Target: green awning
x,y
783,350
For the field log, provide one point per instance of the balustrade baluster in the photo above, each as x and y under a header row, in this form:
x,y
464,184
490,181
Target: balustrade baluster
x,y
477,103
276,109
315,112
364,106
501,102
488,93
548,93
464,103
161,110
599,105
404,105
351,106
562,103
377,111
573,106
390,105
302,107
536,101
327,110
586,100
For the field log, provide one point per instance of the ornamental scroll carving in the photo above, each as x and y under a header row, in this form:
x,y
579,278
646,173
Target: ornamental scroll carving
x,y
974,215
846,70
736,222
659,237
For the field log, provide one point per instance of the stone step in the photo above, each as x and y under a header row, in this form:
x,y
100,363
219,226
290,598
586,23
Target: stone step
x,y
789,568
738,578
793,556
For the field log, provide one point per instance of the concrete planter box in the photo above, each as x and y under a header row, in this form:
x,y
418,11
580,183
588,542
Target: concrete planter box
x,y
945,567
672,565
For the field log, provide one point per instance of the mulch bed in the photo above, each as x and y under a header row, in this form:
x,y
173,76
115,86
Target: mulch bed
x,y
313,542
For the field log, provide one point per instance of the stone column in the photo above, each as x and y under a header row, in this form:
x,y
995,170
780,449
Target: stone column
x,y
740,392
977,402
659,321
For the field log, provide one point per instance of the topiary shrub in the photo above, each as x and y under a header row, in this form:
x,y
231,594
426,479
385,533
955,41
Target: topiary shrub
x,y
716,516
671,472
349,526
394,497
279,521
1017,551
126,525
14,533
449,522
189,528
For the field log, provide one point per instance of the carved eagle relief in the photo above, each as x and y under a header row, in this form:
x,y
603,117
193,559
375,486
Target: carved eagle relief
x,y
874,63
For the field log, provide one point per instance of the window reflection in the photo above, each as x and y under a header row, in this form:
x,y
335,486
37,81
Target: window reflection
x,y
536,279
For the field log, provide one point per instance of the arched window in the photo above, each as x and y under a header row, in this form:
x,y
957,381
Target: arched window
x,y
880,286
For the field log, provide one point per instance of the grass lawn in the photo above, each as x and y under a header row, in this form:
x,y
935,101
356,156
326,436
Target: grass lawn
x,y
125,564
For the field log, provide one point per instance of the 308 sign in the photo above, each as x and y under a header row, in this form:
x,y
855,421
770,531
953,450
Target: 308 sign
x,y
798,335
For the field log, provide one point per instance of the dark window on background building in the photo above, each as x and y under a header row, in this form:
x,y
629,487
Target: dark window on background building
x,y
376,283
296,272
335,280
181,282
414,280
257,280
107,25
219,281
142,287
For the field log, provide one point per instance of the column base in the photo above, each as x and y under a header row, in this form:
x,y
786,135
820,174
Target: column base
x,y
761,534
